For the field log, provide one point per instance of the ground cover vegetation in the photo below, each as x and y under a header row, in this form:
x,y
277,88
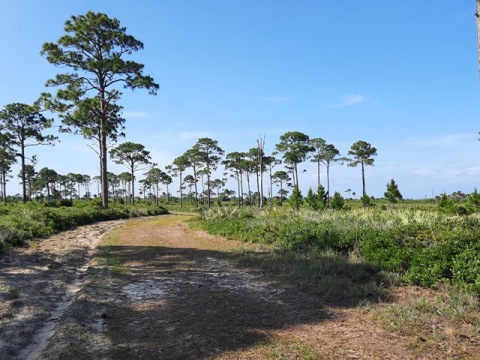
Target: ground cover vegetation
x,y
412,272
22,222
423,247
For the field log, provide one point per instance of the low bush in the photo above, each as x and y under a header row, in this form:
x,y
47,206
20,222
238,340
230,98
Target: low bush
x,y
20,223
427,248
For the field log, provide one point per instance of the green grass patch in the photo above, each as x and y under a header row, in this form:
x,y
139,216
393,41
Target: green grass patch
x,y
289,349
107,258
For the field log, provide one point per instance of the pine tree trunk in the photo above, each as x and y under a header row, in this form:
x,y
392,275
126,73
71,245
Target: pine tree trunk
x,y
271,187
328,184
4,186
208,187
258,187
240,194
24,185
181,193
196,188
261,152
133,185
239,189
318,173
249,192
363,179
103,168
281,194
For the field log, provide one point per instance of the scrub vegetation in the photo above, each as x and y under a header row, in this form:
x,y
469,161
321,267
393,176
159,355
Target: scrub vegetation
x,y
20,223
425,248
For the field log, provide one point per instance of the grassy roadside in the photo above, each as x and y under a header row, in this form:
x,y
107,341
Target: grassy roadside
x,y
20,223
425,248
439,318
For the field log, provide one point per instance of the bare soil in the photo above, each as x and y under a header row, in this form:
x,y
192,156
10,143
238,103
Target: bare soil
x,y
156,289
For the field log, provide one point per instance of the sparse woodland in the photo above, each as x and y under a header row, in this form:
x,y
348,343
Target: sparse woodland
x,y
247,194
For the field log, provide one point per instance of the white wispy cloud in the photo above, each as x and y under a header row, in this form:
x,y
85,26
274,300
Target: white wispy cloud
x,y
176,140
136,114
473,171
348,100
279,99
445,140
455,173
426,171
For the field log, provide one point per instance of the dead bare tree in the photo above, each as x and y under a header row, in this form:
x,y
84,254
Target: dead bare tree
x,y
261,154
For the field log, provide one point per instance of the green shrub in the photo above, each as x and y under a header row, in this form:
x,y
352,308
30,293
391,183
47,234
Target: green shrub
x,y
366,200
35,220
386,248
296,199
465,268
429,266
337,202
427,248
299,235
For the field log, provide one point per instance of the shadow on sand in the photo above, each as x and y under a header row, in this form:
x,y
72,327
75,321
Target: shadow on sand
x,y
182,303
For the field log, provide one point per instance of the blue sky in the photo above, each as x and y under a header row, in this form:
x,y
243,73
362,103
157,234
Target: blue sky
x,y
402,76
